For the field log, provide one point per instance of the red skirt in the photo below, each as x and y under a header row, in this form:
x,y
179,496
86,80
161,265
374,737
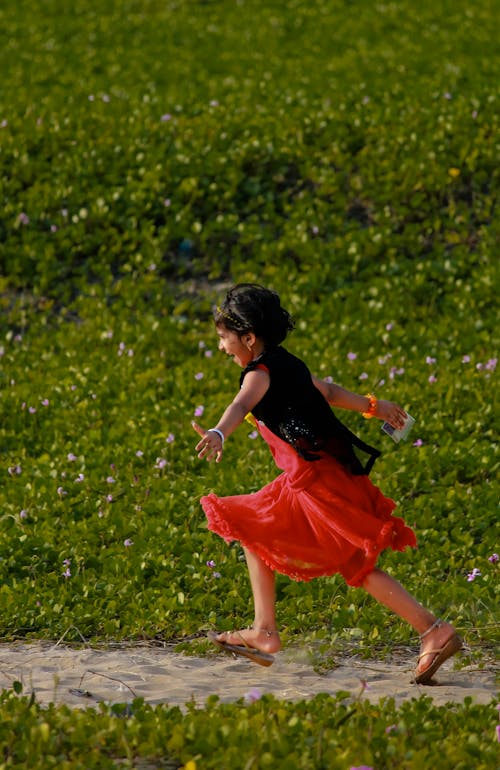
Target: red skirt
x,y
314,519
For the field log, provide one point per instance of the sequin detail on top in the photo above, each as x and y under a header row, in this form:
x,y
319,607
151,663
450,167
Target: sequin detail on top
x,y
301,437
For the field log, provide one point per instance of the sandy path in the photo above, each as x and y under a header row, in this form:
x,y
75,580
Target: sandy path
x,y
55,672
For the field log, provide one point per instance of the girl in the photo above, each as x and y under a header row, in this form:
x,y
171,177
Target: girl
x,y
322,515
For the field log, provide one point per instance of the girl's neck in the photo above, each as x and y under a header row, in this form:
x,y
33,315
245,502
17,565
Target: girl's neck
x,y
258,350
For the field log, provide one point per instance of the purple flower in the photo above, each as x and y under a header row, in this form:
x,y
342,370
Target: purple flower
x,y
128,542
252,695
361,767
199,411
199,376
210,563
430,360
23,514
67,573
167,202
45,402
493,558
110,480
61,492
109,498
418,442
160,463
466,359
432,379
473,575
363,376
139,453
389,326
165,118
23,218
497,732
208,354
216,574
66,562
71,457
15,470
80,478
201,345
352,356
53,228
253,434
390,728
32,410
491,364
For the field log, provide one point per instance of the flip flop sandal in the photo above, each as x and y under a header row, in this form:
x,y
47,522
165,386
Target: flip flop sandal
x,y
453,645
256,656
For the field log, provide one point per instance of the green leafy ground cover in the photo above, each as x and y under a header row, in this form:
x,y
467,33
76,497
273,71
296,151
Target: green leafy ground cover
x,y
151,153
324,733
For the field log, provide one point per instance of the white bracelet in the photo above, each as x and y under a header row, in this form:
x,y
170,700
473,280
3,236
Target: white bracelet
x,y
219,433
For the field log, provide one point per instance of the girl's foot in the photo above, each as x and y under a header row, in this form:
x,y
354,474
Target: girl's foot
x,y
266,640
439,643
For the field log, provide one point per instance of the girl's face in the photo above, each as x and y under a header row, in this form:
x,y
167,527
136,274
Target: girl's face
x,y
241,349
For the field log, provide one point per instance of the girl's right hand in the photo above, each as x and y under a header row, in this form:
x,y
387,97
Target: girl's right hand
x,y
210,446
392,413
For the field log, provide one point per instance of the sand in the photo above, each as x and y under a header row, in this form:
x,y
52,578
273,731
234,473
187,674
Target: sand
x,y
61,674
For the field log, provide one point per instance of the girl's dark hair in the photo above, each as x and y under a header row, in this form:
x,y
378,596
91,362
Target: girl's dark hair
x,y
249,307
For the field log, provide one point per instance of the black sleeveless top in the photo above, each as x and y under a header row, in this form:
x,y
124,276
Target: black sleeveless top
x,y
295,410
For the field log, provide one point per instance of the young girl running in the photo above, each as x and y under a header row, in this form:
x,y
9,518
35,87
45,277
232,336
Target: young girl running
x,y
322,515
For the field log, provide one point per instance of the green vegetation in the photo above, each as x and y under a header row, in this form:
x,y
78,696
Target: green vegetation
x,y
152,153
325,732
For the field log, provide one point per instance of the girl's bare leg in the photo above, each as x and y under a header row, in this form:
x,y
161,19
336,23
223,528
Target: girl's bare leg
x,y
389,592
263,635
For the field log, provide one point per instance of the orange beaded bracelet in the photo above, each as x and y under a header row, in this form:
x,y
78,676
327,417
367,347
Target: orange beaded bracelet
x,y
372,406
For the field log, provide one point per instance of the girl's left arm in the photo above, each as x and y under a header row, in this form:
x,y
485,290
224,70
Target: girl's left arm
x,y
255,385
345,399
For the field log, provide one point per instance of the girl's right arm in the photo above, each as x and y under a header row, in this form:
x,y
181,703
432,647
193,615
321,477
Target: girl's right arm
x,y
255,385
345,399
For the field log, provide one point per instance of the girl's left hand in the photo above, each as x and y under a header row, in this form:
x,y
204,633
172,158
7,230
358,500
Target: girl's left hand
x,y
210,446
391,413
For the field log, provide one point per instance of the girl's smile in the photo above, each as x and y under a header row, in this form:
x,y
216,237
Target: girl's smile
x,y
241,349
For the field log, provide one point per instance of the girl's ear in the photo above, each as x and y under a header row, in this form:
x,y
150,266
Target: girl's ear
x,y
250,340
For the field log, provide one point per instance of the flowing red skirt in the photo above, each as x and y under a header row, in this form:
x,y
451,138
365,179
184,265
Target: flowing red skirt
x,y
314,519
